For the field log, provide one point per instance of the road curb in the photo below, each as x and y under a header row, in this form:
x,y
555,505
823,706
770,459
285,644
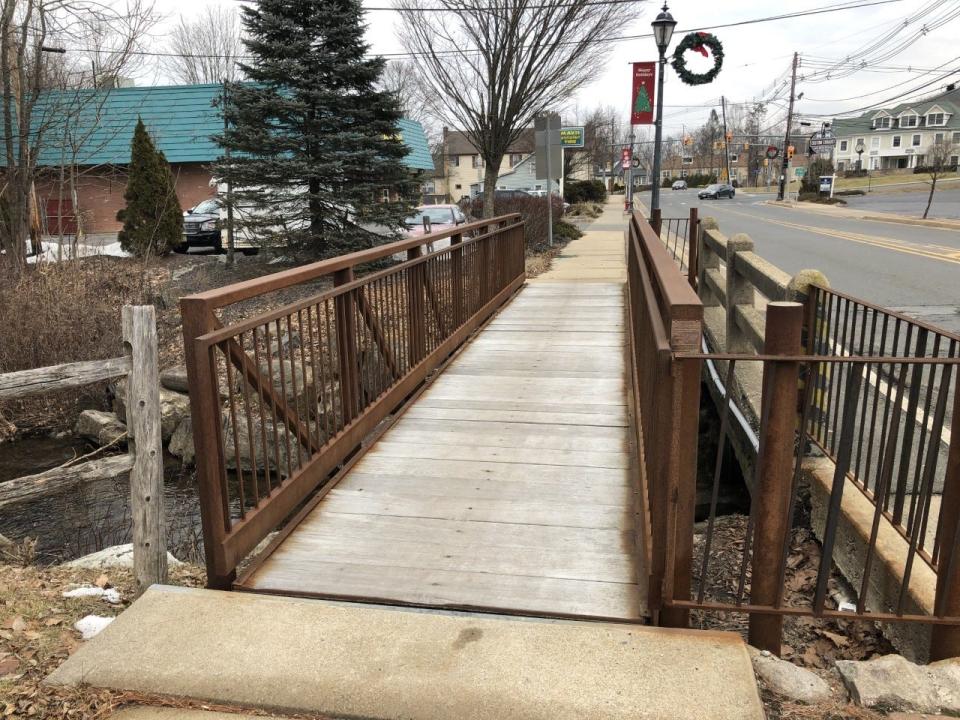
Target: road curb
x,y
876,217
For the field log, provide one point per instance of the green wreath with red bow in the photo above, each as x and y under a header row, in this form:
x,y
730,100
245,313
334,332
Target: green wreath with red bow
x,y
699,42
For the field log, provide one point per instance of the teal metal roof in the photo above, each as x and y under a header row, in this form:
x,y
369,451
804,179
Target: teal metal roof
x,y
181,119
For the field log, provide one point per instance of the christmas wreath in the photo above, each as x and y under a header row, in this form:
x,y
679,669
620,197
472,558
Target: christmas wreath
x,y
698,42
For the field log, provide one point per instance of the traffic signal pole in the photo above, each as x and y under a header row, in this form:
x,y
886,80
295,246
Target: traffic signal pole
x,y
785,167
726,138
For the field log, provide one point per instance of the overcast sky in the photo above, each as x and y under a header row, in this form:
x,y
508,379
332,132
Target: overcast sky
x,y
757,55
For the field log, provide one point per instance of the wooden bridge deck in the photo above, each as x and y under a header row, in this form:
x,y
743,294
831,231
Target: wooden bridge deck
x,y
506,486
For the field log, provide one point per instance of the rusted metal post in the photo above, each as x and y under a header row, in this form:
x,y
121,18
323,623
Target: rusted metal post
x,y
656,220
207,419
772,485
693,250
346,320
456,260
945,639
416,310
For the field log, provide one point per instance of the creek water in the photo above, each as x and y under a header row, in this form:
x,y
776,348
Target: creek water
x,y
97,515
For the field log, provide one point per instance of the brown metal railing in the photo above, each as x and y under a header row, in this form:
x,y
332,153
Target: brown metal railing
x,y
665,316
280,399
681,237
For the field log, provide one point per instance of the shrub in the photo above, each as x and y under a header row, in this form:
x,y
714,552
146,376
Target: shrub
x,y
533,210
576,191
811,181
152,219
923,169
566,231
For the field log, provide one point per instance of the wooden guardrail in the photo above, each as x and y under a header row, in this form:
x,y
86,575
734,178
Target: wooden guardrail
x,y
282,399
144,460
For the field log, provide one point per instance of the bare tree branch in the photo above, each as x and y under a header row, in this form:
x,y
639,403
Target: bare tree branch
x,y
207,46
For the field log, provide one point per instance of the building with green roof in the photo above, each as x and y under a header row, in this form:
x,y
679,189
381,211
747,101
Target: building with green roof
x,y
91,130
899,137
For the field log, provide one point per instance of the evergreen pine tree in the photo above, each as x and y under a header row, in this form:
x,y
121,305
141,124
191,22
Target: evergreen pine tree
x,y
152,219
313,141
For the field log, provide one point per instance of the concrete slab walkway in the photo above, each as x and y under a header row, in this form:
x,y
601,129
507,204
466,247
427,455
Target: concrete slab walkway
x,y
363,661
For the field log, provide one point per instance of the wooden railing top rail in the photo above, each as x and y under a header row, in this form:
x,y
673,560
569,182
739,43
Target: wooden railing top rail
x,y
676,299
220,297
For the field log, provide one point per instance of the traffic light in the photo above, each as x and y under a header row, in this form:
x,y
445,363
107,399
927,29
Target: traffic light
x,y
790,151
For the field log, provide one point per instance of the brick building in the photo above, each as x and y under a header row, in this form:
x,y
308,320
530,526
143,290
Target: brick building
x,y
85,140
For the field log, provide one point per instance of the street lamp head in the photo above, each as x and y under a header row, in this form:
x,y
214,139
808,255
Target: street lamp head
x,y
663,29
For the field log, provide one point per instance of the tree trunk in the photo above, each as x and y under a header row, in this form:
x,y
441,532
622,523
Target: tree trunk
x,y
490,173
933,187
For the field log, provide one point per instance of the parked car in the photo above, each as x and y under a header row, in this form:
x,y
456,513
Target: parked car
x,y
437,218
679,185
510,194
543,194
717,191
201,227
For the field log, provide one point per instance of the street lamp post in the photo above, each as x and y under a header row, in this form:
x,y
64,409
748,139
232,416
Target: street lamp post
x,y
859,150
662,33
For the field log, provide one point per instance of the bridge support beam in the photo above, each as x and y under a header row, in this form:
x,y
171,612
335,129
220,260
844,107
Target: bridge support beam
x,y
772,486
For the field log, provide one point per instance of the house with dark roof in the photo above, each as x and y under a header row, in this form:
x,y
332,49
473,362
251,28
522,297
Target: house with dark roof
x,y
89,132
898,137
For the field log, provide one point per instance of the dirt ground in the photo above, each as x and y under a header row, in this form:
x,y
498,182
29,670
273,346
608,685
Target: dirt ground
x,y
815,644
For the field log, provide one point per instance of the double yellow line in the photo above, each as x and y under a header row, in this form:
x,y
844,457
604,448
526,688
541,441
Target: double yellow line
x,y
942,253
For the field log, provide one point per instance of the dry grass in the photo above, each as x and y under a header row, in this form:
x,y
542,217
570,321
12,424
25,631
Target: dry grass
x,y
37,635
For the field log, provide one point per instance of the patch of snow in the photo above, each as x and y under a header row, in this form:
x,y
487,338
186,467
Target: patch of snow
x,y
91,625
110,595
52,252
114,556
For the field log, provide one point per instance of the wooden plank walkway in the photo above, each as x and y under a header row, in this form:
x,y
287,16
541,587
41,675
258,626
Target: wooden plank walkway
x,y
506,486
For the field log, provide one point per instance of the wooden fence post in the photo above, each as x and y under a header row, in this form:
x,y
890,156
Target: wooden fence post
x,y
146,446
772,484
739,292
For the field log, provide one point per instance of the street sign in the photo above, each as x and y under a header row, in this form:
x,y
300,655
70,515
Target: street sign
x,y
772,151
553,167
636,162
571,137
799,172
823,142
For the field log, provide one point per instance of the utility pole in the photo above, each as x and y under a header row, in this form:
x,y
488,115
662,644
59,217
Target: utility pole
x,y
726,144
613,150
785,165
230,239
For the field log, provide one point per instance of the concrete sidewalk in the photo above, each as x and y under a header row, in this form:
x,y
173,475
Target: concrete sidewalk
x,y
598,256
364,661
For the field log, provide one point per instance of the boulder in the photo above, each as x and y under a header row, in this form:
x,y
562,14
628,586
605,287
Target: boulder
x,y
274,455
890,683
945,676
174,407
297,387
788,680
175,379
181,442
101,427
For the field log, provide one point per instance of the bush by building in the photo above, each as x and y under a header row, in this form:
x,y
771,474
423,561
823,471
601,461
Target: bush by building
x,y
576,191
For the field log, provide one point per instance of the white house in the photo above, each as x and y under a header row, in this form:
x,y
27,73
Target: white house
x,y
898,137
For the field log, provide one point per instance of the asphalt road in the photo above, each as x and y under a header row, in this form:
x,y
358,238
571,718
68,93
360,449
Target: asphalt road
x,y
904,267
946,202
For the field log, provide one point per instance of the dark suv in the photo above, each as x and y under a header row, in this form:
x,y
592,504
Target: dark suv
x,y
201,227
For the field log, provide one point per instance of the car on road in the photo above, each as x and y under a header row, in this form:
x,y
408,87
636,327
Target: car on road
x,y
716,191
679,185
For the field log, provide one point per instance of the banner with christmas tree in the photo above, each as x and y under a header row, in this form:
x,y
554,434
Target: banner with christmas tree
x,y
641,103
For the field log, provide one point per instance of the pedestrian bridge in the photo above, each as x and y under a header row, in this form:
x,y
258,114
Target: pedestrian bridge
x,y
442,432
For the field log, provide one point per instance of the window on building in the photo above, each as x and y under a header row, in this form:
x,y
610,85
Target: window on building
x,y
935,119
454,160
843,145
841,166
882,123
734,157
895,142
956,137
476,161
874,163
666,173
688,160
458,186
385,195
915,141
874,142
515,159
908,121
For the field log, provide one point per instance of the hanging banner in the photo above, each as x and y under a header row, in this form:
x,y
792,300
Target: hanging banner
x,y
641,103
